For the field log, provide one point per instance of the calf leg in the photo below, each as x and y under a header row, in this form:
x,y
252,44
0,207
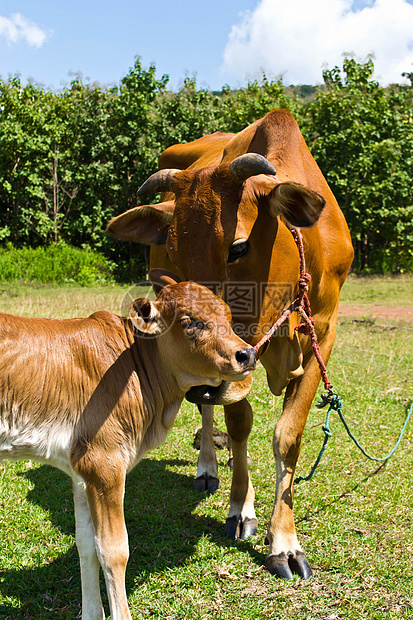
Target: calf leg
x,y
111,540
241,521
207,470
285,555
89,564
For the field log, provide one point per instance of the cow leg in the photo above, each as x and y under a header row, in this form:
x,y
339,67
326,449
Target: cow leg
x,y
285,555
207,470
111,540
92,608
230,462
241,521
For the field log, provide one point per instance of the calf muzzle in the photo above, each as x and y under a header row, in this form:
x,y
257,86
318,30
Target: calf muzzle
x,y
246,358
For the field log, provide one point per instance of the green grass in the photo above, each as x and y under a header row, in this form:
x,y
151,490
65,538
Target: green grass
x,y
65,302
389,290
355,519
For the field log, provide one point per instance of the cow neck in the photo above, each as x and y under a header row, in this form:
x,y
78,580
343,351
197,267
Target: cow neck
x,y
301,304
300,301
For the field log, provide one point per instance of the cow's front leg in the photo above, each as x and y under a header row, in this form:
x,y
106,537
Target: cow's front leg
x,y
285,555
241,521
92,608
207,470
105,496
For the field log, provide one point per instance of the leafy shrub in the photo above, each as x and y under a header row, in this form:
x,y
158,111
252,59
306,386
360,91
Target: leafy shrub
x,y
58,263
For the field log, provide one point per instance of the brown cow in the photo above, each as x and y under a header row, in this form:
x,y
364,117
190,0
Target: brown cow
x,y
225,220
90,397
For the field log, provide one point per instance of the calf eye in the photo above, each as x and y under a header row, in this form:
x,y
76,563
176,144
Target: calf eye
x,y
237,249
191,326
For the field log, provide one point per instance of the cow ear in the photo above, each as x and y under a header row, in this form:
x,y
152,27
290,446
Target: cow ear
x,y
145,316
146,224
300,206
161,278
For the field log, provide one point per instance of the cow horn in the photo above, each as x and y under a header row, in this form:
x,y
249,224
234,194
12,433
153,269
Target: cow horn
x,y
160,181
249,165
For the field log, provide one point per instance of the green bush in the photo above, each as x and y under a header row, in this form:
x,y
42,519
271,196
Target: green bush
x,y
58,263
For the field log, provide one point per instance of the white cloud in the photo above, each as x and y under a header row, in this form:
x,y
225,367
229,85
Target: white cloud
x,y
299,37
17,28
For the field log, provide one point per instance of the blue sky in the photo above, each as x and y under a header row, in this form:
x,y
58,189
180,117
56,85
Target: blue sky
x,y
220,41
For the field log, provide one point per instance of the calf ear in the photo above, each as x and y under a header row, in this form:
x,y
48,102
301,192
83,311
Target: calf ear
x,y
161,278
146,224
299,205
145,316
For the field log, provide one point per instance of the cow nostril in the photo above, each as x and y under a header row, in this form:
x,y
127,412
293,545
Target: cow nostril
x,y
245,357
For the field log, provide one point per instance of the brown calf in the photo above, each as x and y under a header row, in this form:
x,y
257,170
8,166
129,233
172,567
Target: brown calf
x,y
90,396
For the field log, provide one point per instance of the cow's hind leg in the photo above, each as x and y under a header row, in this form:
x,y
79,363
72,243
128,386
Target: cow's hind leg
x,y
207,470
92,608
241,521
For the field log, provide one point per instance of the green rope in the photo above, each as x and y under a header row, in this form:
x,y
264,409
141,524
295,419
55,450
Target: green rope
x,y
335,403
375,458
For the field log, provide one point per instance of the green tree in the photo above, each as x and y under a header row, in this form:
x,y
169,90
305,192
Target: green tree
x,y
361,135
29,163
186,115
242,107
70,160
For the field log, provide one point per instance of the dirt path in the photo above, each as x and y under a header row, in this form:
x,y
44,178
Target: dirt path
x,y
379,312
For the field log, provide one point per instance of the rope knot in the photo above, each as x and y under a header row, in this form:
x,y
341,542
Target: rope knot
x,y
303,282
329,398
306,327
336,403
327,431
303,328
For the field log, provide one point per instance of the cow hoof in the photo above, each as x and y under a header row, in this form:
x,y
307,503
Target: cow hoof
x,y
206,483
278,566
237,527
300,566
283,567
249,528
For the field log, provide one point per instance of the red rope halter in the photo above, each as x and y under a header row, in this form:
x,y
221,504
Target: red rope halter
x,y
301,304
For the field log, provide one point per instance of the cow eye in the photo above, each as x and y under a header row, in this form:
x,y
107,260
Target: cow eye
x,y
237,249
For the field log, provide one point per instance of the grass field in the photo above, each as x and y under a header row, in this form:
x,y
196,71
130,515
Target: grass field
x,y
355,519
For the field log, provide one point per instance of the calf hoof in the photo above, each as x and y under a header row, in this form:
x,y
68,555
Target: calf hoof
x,y
237,527
284,566
206,483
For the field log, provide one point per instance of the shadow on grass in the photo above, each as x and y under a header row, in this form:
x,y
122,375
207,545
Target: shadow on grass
x,y
162,530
